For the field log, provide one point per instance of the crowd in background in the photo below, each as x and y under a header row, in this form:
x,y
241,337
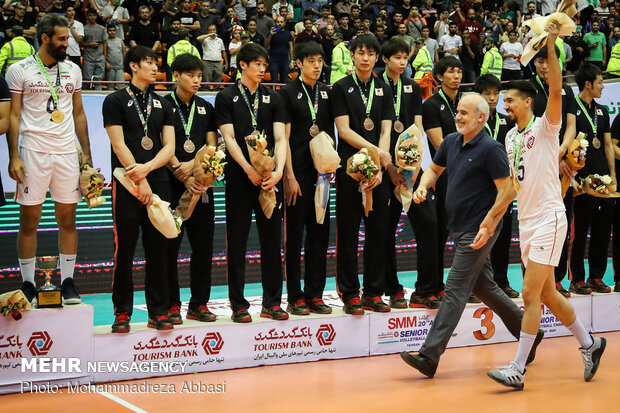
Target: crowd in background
x,y
102,31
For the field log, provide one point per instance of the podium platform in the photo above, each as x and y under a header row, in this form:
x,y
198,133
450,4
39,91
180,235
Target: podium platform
x,y
61,347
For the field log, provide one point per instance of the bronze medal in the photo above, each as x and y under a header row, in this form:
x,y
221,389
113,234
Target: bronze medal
x,y
398,126
147,143
314,130
57,116
189,146
369,124
596,143
516,184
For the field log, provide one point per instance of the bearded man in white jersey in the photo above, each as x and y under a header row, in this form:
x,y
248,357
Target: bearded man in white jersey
x,y
47,111
533,147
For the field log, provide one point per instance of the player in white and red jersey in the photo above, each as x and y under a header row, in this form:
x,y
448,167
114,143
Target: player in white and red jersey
x,y
533,149
47,111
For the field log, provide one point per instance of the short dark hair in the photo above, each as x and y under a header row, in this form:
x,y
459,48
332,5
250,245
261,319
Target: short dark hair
x,y
307,19
524,87
542,53
251,52
307,49
393,46
341,15
447,62
48,25
355,6
137,55
368,41
111,26
587,73
17,30
487,81
91,11
186,62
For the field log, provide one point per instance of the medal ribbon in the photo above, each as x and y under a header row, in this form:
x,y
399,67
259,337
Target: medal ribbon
x,y
447,103
53,90
371,94
314,107
517,153
187,126
149,107
252,108
496,131
594,124
542,86
397,97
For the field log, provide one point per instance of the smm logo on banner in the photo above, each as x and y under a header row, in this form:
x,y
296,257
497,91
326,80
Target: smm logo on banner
x,y
213,343
326,334
40,343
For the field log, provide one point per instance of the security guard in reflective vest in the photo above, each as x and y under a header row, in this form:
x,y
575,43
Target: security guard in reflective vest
x,y
493,61
342,64
183,46
423,62
15,50
614,61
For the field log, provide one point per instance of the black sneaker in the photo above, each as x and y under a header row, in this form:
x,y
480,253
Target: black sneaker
x,y
510,292
418,301
174,314
398,300
617,287
316,305
598,286
580,288
537,340
565,293
70,295
275,313
160,322
201,313
353,306
29,291
121,323
421,363
375,303
241,316
299,307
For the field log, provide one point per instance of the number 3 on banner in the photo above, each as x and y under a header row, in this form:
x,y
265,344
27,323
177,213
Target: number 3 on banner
x,y
486,322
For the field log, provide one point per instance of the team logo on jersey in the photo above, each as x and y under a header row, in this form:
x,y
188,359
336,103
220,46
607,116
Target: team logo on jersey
x,y
408,89
599,112
323,94
502,121
266,99
563,92
299,95
202,110
156,103
129,103
350,89
530,142
578,112
69,87
442,107
379,91
235,99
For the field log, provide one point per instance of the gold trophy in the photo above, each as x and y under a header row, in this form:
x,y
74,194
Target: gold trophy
x,y
48,296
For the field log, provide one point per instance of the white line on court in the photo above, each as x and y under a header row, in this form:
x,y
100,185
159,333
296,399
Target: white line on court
x,y
122,402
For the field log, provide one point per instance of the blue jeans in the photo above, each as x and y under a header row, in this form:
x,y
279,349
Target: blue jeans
x,y
278,67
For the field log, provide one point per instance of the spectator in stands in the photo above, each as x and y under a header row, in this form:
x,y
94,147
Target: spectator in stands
x,y
213,53
206,18
171,37
254,35
276,8
327,42
189,20
431,44
76,32
182,46
264,23
56,6
470,57
343,27
309,34
382,5
280,43
470,23
415,22
442,25
392,29
511,52
144,32
94,46
233,49
15,50
451,44
115,52
405,7
310,7
167,14
114,13
597,44
531,11
239,6
615,37
402,35
226,27
343,7
21,19
289,24
321,22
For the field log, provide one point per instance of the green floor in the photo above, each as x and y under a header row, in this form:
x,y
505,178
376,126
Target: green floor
x,y
104,311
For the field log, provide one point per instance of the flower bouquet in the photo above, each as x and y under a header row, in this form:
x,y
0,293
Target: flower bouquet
x,y
208,166
13,303
263,162
91,182
363,166
159,211
575,159
409,154
326,161
598,186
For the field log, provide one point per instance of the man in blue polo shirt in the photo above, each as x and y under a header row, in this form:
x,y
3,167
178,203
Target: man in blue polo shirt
x,y
477,169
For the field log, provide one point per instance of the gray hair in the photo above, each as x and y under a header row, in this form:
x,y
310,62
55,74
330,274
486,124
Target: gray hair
x,y
48,24
481,104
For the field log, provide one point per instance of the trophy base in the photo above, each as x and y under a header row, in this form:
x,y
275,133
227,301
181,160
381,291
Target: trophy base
x,y
49,297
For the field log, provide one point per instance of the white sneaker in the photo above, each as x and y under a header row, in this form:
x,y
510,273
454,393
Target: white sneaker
x,y
509,376
592,356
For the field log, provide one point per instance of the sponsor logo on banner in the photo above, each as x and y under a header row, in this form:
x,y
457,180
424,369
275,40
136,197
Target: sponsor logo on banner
x,y
40,343
212,343
295,344
10,347
409,329
326,334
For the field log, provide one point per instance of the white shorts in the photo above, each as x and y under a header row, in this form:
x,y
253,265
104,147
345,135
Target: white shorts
x,y
542,238
58,172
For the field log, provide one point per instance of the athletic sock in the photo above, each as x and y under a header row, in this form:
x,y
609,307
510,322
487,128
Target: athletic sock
x,y
581,334
26,266
526,341
67,265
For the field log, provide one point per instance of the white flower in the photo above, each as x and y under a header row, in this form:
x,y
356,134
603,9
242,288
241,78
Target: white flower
x,y
583,143
606,179
359,158
220,154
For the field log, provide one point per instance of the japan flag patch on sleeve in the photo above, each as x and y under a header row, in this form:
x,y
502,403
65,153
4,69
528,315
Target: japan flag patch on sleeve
x,y
379,91
156,103
202,110
266,99
323,94
408,89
